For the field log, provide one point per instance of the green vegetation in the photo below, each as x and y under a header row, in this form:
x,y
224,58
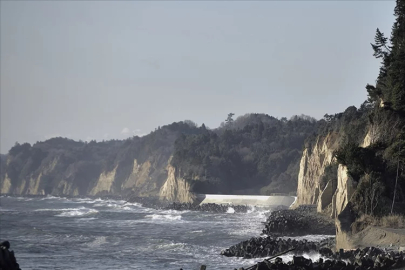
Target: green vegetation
x,y
82,163
378,168
252,152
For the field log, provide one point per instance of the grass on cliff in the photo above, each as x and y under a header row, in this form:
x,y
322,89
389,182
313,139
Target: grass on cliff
x,y
390,221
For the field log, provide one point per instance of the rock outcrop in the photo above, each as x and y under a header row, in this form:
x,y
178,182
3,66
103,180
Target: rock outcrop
x,y
258,247
176,188
63,167
368,258
335,196
312,167
7,258
298,222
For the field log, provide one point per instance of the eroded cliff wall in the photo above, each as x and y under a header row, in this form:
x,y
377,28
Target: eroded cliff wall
x,y
312,167
176,188
333,196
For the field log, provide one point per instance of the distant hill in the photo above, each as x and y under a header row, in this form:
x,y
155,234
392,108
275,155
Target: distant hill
x,y
256,154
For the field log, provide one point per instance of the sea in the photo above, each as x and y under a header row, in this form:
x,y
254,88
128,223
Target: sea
x,y
87,233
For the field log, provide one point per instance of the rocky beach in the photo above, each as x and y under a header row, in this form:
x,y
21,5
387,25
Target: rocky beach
x,y
281,230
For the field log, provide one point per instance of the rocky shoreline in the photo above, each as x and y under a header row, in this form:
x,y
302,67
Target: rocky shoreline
x,y
259,247
360,259
298,222
209,207
156,203
306,221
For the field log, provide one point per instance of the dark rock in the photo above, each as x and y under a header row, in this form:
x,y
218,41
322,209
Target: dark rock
x,y
298,222
7,258
257,247
365,261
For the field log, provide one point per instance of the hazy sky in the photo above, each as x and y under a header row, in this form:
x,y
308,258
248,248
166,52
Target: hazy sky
x,y
108,69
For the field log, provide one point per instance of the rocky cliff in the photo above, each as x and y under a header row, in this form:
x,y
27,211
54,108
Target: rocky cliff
x,y
176,188
63,167
330,191
312,167
312,188
258,154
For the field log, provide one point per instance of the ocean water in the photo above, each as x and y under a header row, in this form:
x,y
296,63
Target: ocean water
x,y
61,233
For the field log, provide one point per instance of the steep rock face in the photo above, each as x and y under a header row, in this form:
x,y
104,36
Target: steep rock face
x,y
176,189
138,176
104,183
59,166
312,167
325,198
337,198
344,191
144,179
5,185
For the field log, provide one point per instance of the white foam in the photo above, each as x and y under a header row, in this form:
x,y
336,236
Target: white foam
x,y
314,256
100,240
167,217
311,237
50,197
56,209
87,219
74,212
133,204
22,198
252,209
230,210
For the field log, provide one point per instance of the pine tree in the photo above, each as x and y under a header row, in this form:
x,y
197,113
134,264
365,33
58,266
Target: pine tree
x,y
229,119
390,84
380,47
396,70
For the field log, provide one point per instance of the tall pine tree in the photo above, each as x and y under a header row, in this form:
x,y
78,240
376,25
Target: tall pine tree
x,y
390,86
396,70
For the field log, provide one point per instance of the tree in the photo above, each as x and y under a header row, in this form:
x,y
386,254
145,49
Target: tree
x,y
391,80
229,119
396,71
380,47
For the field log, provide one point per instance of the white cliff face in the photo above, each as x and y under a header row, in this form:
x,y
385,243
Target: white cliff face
x,y
312,167
176,188
344,191
139,175
5,185
104,182
33,186
144,179
325,197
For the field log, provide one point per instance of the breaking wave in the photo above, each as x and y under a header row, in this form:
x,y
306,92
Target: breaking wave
x,y
164,217
230,210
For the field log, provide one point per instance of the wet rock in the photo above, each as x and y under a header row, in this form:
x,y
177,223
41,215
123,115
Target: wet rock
x,y
298,222
156,203
259,247
209,207
7,258
384,261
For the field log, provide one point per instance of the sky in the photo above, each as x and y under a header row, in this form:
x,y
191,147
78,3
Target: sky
x,y
114,69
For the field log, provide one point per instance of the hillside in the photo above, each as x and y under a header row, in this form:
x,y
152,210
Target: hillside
x,y
255,153
60,166
354,166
